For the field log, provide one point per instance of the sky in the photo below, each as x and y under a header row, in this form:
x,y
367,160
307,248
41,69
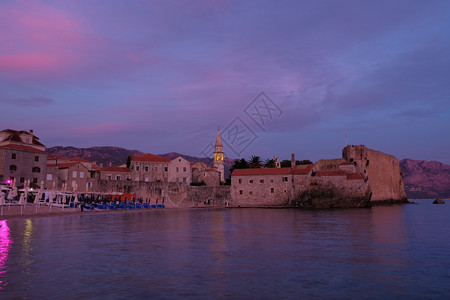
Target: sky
x,y
275,76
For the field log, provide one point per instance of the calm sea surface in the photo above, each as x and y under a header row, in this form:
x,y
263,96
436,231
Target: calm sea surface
x,y
398,252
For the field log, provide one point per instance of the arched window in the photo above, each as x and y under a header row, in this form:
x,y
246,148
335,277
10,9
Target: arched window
x,y
13,168
36,170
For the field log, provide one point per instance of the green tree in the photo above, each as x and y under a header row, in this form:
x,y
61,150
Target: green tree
x,y
303,162
239,164
285,163
269,163
128,161
255,161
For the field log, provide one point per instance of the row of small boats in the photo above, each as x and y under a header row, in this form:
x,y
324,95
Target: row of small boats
x,y
114,206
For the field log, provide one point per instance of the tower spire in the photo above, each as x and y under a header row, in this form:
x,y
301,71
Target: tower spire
x,y
218,156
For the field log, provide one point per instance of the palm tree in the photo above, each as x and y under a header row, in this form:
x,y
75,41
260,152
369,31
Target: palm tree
x,y
269,163
255,161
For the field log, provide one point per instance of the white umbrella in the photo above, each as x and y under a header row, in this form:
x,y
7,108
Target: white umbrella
x,y
2,198
22,199
37,197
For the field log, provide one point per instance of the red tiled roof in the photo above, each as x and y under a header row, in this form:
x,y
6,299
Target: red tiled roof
x,y
79,159
347,163
302,169
355,176
115,169
150,157
66,165
51,165
331,173
263,171
95,166
210,170
21,147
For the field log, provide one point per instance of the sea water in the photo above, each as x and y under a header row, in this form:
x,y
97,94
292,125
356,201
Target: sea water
x,y
395,252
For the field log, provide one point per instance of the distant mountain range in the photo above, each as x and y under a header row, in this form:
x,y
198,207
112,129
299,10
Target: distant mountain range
x,y
423,179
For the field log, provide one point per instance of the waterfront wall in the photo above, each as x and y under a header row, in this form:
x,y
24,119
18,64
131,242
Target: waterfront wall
x,y
383,171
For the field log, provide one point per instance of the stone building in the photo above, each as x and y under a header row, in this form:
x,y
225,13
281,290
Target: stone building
x,y
150,168
180,170
201,172
22,157
363,177
115,173
381,169
73,176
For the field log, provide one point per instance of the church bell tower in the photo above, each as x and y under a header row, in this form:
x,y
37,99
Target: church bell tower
x,y
218,156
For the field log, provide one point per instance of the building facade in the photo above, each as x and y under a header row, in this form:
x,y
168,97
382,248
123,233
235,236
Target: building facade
x,y
22,157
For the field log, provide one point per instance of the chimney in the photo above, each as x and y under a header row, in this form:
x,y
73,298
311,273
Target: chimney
x,y
31,131
293,160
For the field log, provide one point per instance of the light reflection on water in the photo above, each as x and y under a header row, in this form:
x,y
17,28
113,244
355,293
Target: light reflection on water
x,y
383,252
5,242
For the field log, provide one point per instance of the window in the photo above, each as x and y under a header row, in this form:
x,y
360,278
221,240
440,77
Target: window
x,y
285,179
146,169
49,176
184,169
34,180
13,168
74,174
250,192
137,168
74,183
22,179
136,179
109,176
241,192
184,179
36,158
240,180
36,170
272,190
165,169
179,159
250,181
146,179
81,174
89,184
178,169
271,180
285,191
117,177
13,156
261,181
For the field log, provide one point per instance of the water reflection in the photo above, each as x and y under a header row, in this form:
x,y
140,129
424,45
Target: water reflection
x,y
5,244
27,247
